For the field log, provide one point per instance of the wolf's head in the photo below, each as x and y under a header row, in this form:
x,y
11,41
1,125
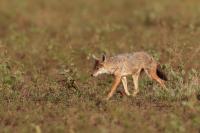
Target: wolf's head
x,y
99,66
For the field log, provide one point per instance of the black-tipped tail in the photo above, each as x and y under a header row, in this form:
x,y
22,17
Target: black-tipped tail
x,y
161,74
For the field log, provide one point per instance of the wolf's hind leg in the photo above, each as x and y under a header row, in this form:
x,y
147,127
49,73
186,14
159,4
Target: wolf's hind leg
x,y
152,74
124,81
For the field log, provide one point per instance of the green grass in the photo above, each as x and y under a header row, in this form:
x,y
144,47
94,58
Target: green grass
x,y
46,50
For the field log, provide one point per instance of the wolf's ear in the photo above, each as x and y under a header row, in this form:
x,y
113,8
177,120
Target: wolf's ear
x,y
95,58
104,57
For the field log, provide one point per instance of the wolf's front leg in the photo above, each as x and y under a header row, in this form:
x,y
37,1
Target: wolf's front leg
x,y
124,81
135,81
114,87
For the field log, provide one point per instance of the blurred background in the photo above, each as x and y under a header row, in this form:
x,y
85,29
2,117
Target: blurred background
x,y
46,49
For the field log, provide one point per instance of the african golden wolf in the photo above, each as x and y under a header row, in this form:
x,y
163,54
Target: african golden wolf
x,y
126,64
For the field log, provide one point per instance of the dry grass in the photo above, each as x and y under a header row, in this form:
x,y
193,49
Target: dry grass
x,y
45,65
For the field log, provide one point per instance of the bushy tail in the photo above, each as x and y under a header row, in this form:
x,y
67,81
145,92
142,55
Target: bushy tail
x,y
161,74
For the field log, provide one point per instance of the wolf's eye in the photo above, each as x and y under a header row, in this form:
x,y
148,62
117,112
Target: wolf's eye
x,y
98,67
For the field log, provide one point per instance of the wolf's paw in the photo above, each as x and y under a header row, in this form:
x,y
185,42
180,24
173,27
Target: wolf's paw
x,y
127,93
107,98
135,93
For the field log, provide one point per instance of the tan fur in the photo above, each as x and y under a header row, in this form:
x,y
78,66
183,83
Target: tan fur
x,y
127,64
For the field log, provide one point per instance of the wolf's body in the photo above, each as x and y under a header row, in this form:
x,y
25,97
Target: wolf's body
x,y
129,64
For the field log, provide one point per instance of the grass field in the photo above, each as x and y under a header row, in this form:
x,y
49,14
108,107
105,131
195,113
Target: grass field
x,y
46,49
